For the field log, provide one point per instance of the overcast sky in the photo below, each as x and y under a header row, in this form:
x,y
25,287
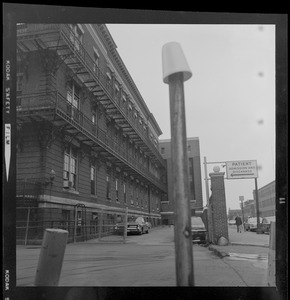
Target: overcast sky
x,y
229,100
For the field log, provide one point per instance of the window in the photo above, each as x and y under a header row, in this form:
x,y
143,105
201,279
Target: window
x,y
76,35
124,98
137,195
117,90
70,168
131,194
162,150
117,189
108,186
96,60
65,219
94,119
93,180
124,192
73,97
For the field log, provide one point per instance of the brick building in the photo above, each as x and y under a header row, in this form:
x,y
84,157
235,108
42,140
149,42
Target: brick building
x,y
232,213
249,208
266,196
195,183
86,138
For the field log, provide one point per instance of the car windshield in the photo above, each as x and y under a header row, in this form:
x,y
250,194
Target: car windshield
x,y
196,221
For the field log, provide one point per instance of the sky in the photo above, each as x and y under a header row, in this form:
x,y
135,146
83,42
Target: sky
x,y
229,100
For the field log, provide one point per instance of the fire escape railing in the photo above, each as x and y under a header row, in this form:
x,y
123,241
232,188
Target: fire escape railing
x,y
59,105
79,52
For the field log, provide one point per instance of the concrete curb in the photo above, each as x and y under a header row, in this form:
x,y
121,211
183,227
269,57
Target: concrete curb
x,y
254,245
220,254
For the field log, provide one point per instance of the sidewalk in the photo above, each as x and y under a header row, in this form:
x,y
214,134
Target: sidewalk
x,y
245,243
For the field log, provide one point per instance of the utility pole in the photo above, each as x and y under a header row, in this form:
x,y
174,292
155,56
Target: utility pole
x,y
241,198
257,207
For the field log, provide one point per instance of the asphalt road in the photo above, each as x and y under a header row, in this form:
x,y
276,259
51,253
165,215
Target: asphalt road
x,y
147,260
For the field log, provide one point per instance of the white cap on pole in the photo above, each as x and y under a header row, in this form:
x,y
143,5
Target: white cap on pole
x,y
174,61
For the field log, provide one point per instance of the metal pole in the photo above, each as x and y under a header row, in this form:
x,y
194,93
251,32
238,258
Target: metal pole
x,y
206,182
242,206
100,225
27,225
125,225
75,228
182,228
257,206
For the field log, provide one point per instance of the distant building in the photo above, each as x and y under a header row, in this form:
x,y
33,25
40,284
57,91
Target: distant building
x,y
267,197
249,208
232,213
195,182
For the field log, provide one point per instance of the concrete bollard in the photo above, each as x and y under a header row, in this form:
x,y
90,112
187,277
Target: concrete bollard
x,y
272,256
51,257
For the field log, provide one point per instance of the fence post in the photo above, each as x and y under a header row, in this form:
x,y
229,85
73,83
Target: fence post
x,y
100,225
27,226
272,256
51,257
75,227
125,225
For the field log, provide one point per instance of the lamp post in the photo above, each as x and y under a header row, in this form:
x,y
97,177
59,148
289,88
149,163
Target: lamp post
x,y
175,72
241,198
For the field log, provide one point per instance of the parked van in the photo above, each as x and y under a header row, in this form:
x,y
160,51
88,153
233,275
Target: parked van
x,y
266,224
251,224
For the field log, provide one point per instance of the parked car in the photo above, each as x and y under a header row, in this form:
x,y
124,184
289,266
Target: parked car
x,y
134,225
251,224
232,222
266,224
198,229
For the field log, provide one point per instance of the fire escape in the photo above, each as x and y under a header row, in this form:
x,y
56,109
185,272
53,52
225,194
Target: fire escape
x,y
54,108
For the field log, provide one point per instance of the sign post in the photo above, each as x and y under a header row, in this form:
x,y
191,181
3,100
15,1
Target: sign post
x,y
175,72
245,169
241,198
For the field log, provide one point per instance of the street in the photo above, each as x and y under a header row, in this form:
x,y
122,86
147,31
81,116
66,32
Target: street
x,y
147,260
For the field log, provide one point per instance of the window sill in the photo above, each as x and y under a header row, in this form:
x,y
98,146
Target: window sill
x,y
71,191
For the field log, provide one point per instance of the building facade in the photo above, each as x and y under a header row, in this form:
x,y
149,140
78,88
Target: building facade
x,y
232,213
249,208
266,196
86,140
195,183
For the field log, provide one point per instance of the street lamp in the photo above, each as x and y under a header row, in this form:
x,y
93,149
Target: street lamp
x,y
175,72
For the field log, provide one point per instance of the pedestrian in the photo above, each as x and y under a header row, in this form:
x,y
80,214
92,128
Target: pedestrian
x,y
239,223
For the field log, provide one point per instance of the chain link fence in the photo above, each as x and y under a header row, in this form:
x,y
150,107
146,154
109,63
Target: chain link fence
x,y
81,222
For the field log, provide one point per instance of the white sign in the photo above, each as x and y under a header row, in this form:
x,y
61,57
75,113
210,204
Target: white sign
x,y
242,169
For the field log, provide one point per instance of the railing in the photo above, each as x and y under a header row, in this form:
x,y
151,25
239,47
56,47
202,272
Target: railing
x,y
28,188
57,103
96,73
